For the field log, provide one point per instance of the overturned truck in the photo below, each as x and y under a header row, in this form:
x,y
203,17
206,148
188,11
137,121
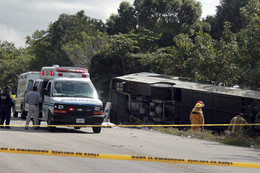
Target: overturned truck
x,y
169,100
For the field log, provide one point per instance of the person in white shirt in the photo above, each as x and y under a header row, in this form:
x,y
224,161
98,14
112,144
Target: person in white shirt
x,y
33,98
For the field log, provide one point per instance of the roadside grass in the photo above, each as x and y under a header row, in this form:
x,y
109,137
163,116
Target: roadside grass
x,y
236,140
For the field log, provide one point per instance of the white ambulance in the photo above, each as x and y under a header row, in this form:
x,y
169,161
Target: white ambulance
x,y
25,82
69,98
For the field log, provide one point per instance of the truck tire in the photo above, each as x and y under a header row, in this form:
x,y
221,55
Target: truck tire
x,y
49,123
77,128
96,129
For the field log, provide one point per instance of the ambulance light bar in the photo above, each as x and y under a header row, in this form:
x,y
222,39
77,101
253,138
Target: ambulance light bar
x,y
75,72
79,70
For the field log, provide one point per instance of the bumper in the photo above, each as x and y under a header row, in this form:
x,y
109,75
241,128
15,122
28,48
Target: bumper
x,y
65,119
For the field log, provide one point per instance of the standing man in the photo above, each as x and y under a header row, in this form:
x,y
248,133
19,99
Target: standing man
x,y
33,98
7,103
1,92
196,115
234,128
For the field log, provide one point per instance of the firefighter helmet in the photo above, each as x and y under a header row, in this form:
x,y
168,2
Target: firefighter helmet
x,y
199,104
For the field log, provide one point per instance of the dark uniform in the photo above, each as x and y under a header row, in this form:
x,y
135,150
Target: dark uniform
x,y
1,91
7,103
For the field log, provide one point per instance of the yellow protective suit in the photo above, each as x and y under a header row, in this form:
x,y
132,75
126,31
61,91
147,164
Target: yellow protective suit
x,y
237,120
196,117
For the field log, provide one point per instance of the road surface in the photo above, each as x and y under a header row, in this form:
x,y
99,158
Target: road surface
x,y
119,141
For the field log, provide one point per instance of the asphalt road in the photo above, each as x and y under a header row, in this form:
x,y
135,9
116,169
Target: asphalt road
x,y
119,141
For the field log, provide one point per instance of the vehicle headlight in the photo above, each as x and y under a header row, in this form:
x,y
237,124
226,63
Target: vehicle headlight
x,y
97,108
98,111
59,106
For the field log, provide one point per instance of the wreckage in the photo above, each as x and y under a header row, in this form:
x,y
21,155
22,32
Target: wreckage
x,y
167,99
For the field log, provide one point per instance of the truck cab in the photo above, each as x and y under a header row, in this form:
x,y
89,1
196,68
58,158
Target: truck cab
x,y
69,98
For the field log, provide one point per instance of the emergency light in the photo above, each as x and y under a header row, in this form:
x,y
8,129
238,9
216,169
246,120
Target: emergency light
x,y
70,72
78,70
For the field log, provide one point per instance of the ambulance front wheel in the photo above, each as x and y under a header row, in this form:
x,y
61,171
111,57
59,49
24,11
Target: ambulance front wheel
x,y
50,126
96,129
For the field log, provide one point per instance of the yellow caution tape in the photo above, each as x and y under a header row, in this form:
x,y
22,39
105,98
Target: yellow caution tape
x,y
161,125
127,157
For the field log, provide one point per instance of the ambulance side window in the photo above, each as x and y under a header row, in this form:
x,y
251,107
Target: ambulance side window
x,y
49,86
47,89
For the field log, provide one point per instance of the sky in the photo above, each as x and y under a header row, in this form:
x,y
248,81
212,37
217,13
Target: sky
x,y
21,18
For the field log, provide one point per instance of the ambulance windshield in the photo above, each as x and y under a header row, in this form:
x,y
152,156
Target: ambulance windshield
x,y
74,89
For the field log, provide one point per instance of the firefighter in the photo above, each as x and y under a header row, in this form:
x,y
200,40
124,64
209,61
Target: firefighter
x,y
196,115
237,130
7,103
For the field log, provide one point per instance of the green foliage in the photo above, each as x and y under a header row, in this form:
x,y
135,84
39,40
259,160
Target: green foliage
x,y
48,46
124,22
229,11
80,52
168,17
13,62
161,36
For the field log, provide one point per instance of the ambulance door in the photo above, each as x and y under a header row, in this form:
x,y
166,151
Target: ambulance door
x,y
46,100
28,89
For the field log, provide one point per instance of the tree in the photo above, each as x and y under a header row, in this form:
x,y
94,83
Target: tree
x,y
13,62
229,11
249,44
124,22
168,17
80,52
47,46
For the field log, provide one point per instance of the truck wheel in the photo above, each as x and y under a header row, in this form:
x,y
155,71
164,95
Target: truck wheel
x,y
24,114
77,128
49,122
96,129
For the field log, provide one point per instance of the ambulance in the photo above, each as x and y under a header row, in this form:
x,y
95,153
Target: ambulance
x,y
69,98
25,83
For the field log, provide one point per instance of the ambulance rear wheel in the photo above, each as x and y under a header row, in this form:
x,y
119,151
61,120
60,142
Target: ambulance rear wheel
x,y
96,129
